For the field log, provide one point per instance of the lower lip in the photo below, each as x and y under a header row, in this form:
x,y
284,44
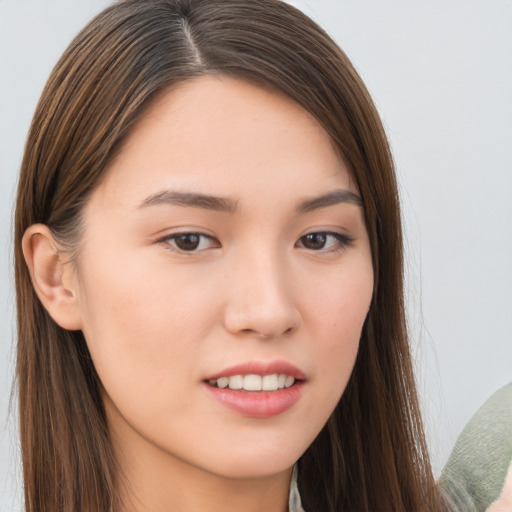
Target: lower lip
x,y
258,404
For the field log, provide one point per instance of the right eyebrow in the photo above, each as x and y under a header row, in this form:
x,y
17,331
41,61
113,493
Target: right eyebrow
x,y
191,199
331,198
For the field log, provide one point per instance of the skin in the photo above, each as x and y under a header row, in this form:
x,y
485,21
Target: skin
x,y
159,320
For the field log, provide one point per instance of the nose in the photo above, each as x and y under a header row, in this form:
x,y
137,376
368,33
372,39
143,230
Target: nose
x,y
261,300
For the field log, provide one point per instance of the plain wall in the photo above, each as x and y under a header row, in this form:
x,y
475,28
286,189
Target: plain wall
x,y
441,75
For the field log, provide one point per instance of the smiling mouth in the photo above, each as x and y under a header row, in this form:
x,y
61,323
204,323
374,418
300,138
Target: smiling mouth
x,y
254,391
252,382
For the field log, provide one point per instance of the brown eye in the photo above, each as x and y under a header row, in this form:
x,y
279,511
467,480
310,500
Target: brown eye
x,y
324,241
187,241
314,241
190,242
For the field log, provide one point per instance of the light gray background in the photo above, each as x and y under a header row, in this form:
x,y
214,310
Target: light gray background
x,y
441,75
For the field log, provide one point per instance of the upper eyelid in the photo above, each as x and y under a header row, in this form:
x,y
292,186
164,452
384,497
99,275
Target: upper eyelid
x,y
331,232
186,231
189,232
343,240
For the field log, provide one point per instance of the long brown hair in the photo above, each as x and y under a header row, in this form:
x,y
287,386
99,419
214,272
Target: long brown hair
x,y
371,455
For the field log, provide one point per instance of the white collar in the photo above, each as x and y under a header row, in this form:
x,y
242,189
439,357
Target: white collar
x,y
294,503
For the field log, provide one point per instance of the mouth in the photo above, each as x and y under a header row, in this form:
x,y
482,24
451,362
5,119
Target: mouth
x,y
254,382
257,390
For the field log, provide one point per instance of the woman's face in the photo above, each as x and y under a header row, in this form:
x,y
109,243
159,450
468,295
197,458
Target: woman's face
x,y
226,246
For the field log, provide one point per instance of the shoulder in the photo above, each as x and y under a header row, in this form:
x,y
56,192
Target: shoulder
x,y
477,467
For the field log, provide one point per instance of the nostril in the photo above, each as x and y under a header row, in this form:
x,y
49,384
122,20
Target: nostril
x,y
265,323
257,334
266,336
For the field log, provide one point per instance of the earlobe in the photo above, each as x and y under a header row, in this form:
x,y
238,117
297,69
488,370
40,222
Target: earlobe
x,y
51,276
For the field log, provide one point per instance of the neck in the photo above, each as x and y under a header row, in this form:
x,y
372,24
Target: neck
x,y
184,491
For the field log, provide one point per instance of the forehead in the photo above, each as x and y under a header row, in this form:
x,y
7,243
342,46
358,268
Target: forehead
x,y
227,137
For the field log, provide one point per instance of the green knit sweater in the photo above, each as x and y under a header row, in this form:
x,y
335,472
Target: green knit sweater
x,y
476,469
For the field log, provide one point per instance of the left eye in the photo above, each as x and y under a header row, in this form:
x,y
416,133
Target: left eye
x,y
190,242
324,240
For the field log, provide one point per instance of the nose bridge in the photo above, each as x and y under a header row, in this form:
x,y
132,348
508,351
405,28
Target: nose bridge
x,y
262,301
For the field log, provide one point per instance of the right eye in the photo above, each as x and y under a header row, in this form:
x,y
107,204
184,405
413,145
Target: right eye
x,y
190,242
325,241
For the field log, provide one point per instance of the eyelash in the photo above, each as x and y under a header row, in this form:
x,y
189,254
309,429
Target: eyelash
x,y
340,241
170,241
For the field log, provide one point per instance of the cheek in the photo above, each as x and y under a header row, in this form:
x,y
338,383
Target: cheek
x,y
143,323
337,313
340,301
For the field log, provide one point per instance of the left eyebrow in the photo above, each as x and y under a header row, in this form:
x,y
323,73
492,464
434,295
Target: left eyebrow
x,y
191,199
329,199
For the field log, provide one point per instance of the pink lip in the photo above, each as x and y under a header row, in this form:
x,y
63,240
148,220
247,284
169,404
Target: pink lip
x,y
260,368
258,404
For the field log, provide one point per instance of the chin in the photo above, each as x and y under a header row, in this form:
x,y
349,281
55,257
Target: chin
x,y
258,460
258,468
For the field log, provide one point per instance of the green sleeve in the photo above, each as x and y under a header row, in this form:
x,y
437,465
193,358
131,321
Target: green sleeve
x,y
477,467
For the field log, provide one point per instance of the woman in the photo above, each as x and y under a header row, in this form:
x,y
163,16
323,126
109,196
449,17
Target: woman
x,y
209,273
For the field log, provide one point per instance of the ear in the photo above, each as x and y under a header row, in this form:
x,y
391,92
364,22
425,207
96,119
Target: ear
x,y
52,276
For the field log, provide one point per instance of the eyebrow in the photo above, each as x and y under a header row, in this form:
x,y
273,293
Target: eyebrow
x,y
331,198
191,199
223,204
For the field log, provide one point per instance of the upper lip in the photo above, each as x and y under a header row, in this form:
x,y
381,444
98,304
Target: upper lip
x,y
260,368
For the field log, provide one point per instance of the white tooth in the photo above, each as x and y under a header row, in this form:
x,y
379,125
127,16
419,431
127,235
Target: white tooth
x,y
236,382
269,382
212,382
252,382
281,380
289,381
223,382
